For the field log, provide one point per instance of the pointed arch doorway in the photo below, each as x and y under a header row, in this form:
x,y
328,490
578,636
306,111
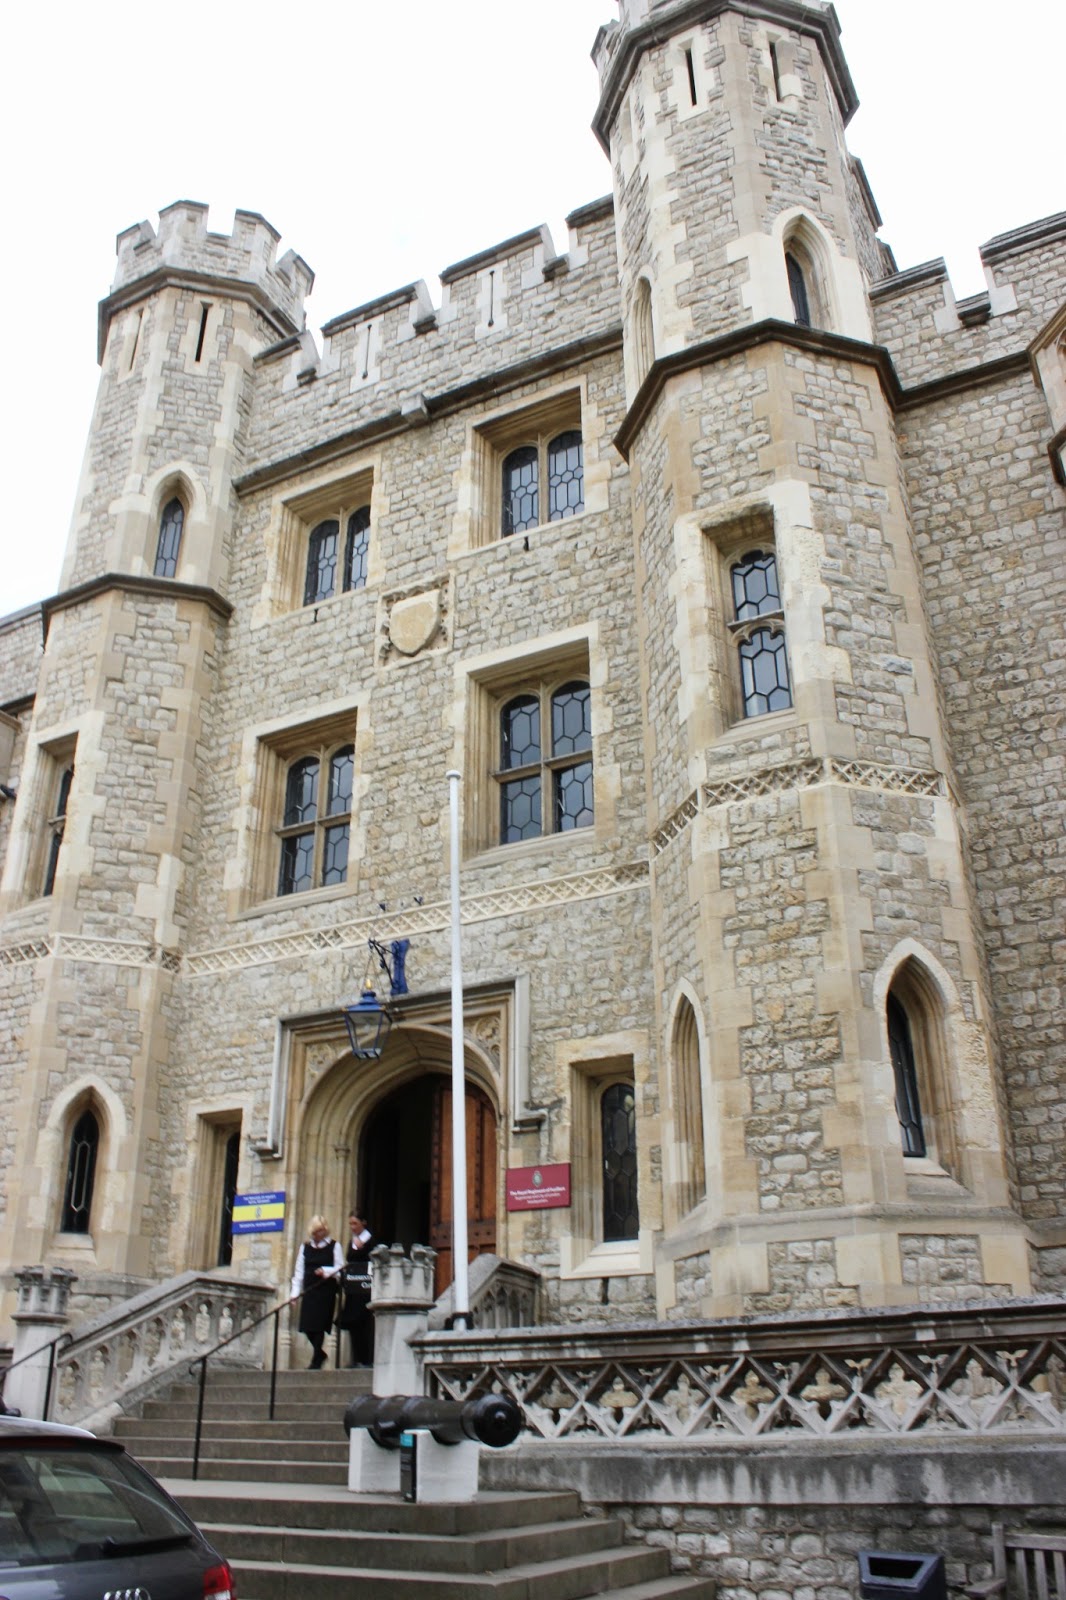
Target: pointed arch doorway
x,y
405,1158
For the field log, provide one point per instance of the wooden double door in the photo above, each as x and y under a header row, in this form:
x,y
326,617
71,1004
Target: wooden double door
x,y
405,1170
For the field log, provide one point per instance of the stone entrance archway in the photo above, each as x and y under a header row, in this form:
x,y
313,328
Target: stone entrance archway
x,y
378,1135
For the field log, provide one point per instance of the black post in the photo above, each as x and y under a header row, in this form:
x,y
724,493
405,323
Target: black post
x,y
199,1418
48,1385
274,1364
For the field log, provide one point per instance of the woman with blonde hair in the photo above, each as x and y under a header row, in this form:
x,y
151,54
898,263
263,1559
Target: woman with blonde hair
x,y
318,1266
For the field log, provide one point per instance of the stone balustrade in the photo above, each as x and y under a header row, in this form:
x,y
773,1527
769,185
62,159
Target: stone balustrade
x,y
140,1345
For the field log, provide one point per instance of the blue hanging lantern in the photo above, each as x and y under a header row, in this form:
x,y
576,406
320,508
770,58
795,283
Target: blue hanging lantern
x,y
368,1023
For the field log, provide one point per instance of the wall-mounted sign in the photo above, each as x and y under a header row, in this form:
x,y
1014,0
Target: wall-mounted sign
x,y
538,1188
259,1213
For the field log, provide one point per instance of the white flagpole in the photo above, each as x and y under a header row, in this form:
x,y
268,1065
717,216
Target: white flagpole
x,y
460,1269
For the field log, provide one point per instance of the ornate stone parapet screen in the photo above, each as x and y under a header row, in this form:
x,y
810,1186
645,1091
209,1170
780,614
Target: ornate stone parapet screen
x,y
141,1344
503,1294
1001,1371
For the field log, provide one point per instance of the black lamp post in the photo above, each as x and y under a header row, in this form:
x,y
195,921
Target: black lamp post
x,y
367,1019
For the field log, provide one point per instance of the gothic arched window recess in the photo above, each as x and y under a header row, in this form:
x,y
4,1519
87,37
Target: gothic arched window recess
x,y
81,1174
324,556
56,826
618,1142
904,1068
316,820
644,331
531,769
171,527
688,1110
758,628
558,462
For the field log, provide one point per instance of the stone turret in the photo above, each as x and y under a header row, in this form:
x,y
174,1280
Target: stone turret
x,y
117,747
808,868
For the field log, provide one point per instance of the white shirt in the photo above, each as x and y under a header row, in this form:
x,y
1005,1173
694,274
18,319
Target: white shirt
x,y
298,1284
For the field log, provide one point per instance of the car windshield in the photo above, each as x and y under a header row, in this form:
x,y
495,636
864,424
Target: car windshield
x,y
62,1502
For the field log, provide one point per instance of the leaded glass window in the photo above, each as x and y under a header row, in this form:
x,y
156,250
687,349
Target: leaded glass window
x,y
908,1103
758,627
322,562
528,770
566,476
521,484
618,1129
81,1174
316,821
57,824
356,549
558,462
171,525
325,572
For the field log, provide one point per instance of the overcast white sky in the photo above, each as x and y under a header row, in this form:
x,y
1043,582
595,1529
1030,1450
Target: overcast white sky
x,y
385,142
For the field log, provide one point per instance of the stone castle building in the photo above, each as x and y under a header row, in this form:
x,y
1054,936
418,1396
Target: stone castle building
x,y
726,564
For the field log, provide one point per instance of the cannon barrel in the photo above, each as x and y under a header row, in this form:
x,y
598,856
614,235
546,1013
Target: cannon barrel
x,y
493,1419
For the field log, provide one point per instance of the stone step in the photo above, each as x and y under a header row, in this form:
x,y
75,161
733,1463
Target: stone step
x,y
234,1468
286,1409
566,1579
297,1506
141,1434
417,1552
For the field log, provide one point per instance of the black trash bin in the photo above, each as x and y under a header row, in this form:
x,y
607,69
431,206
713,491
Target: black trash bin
x,y
888,1574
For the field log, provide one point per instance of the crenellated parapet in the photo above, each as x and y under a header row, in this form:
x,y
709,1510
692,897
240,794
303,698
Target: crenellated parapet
x,y
932,336
183,249
388,362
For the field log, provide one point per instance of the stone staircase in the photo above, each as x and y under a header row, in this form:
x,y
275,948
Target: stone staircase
x,y
272,1497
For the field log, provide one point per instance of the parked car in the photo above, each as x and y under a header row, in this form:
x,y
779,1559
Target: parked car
x,y
80,1519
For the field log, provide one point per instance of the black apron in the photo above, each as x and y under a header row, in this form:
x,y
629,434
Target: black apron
x,y
316,1307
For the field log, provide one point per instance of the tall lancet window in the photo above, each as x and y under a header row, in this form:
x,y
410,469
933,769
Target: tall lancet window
x,y
171,526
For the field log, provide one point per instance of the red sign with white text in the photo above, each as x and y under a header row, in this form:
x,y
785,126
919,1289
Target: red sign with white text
x,y
538,1188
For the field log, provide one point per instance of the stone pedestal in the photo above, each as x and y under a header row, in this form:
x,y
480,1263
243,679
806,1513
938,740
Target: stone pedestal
x,y
40,1316
401,1298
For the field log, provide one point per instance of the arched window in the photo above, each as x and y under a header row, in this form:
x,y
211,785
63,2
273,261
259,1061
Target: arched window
x,y
57,824
324,556
566,476
356,548
529,771
316,821
521,489
644,331
171,524
904,1068
798,289
758,627
618,1142
558,461
688,1110
81,1174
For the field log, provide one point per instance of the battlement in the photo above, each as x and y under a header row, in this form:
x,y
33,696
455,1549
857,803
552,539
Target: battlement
x,y
183,246
931,334
518,301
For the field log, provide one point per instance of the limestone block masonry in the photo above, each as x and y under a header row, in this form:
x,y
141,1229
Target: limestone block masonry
x,y
727,564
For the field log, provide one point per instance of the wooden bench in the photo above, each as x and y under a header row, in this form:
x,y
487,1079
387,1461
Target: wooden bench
x,y
1026,1566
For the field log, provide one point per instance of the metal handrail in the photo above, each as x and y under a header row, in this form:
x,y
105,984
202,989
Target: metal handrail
x,y
202,1360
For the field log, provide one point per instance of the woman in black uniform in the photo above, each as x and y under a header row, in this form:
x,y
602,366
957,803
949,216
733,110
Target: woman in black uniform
x,y
355,1314
318,1266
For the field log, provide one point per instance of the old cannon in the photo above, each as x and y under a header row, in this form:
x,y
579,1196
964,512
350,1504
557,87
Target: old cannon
x,y
434,1444
492,1419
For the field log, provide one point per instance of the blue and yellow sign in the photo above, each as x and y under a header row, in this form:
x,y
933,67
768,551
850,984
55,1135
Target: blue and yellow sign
x,y
259,1213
